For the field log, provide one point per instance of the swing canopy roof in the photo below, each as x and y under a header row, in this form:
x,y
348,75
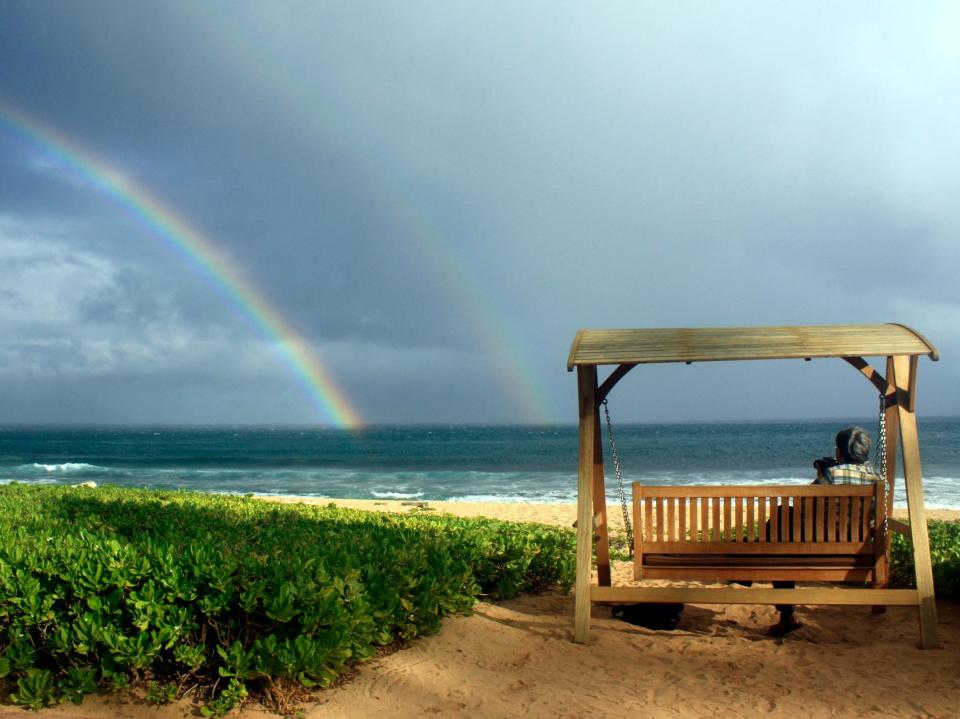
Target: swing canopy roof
x,y
712,344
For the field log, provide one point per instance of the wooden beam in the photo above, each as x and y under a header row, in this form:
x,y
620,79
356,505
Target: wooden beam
x,y
761,490
587,393
753,595
763,573
573,349
638,531
912,391
600,505
905,378
707,344
881,543
876,379
611,381
728,547
895,525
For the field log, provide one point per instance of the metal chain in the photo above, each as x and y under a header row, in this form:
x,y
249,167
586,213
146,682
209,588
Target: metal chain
x,y
880,462
616,468
880,458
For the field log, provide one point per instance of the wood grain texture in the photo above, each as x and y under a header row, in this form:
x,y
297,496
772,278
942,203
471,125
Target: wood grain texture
x,y
754,595
816,533
640,346
771,551
587,388
600,505
895,525
638,529
768,490
874,377
728,572
839,548
905,378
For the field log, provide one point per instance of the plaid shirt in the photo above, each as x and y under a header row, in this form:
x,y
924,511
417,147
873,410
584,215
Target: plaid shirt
x,y
847,474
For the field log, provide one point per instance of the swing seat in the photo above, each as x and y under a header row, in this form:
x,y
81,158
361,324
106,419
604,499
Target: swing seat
x,y
772,567
771,533
828,534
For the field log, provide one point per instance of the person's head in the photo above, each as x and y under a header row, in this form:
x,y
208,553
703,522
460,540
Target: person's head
x,y
853,445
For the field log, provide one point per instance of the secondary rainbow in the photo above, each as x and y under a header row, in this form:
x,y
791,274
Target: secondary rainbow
x,y
507,353
197,251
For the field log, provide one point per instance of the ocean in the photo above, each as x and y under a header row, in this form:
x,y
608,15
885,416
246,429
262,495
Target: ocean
x,y
467,463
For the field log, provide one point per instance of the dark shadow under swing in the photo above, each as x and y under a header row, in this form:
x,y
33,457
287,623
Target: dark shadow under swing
x,y
711,533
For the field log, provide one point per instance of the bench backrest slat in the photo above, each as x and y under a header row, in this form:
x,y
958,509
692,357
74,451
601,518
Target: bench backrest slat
x,y
785,519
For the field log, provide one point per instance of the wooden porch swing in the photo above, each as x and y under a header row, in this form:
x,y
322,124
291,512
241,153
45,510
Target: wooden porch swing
x,y
712,533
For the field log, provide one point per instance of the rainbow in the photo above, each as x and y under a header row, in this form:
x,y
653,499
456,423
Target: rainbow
x,y
199,253
504,349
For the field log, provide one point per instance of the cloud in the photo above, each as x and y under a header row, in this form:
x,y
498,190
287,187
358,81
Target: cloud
x,y
439,196
46,329
46,281
70,311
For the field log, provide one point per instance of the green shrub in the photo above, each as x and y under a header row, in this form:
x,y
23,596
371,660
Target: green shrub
x,y
160,694
231,592
944,554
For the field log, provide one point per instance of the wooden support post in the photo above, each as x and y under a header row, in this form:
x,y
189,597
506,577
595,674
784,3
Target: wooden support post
x,y
881,542
587,392
600,506
905,379
638,528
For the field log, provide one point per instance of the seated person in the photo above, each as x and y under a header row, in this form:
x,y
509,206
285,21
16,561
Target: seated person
x,y
848,466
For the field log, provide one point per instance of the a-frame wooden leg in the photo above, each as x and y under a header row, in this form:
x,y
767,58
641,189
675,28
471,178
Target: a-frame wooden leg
x,y
587,391
600,506
905,373
882,542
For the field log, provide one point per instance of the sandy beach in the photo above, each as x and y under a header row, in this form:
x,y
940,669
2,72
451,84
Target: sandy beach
x,y
559,514
516,658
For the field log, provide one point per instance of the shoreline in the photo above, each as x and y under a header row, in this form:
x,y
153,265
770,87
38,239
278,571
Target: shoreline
x,y
558,514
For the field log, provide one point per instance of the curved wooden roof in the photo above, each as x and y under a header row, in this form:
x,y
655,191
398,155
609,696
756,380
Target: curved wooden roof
x,y
713,344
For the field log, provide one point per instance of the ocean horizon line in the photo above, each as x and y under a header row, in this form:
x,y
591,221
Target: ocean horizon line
x,y
445,425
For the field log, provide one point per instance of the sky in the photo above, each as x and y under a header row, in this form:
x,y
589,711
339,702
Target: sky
x,y
348,213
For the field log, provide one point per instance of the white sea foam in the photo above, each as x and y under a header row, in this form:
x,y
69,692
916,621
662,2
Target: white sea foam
x,y
512,499
395,495
66,467
9,480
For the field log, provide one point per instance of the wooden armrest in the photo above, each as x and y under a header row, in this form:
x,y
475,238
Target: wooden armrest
x,y
899,527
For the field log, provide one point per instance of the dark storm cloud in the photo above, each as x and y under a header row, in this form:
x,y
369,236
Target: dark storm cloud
x,y
426,190
147,94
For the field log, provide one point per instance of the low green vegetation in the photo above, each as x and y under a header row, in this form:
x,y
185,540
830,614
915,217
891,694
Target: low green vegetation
x,y
944,554
230,596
